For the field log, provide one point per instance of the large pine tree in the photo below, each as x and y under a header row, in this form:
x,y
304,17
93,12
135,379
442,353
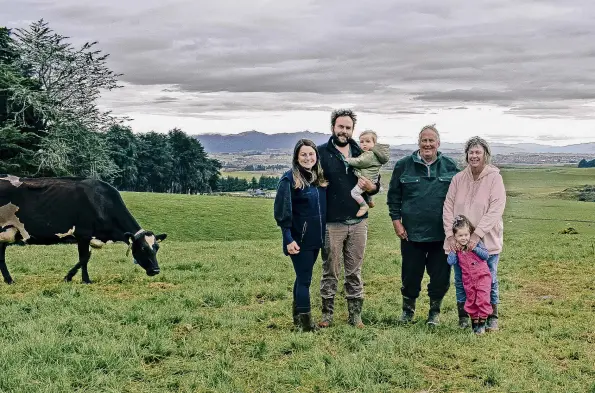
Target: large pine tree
x,y
21,127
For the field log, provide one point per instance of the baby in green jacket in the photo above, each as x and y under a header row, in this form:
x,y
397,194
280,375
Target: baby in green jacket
x,y
368,165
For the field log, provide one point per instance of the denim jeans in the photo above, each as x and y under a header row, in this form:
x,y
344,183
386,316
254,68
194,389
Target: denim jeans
x,y
494,293
303,263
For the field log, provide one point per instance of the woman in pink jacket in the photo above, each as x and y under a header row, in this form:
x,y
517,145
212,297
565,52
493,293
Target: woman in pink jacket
x,y
478,193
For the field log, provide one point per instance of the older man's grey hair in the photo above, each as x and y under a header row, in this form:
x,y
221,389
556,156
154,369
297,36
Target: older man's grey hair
x,y
431,127
478,141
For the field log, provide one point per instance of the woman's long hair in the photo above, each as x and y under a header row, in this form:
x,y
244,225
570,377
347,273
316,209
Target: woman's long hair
x,y
300,175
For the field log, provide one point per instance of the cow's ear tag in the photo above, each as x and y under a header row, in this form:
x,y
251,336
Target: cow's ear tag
x,y
129,248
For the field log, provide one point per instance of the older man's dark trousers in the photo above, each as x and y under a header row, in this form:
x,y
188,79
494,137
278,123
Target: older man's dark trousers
x,y
303,264
418,257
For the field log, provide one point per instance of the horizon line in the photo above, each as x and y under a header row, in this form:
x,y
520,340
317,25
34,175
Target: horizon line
x,y
410,143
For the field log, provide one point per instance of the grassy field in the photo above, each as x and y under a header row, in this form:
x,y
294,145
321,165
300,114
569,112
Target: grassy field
x,y
218,317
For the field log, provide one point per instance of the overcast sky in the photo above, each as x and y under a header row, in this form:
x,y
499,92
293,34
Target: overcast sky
x,y
509,70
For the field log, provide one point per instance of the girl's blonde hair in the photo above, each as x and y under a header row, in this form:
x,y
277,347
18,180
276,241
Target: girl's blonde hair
x,y
317,176
370,132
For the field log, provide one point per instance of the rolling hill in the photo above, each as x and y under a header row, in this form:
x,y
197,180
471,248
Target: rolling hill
x,y
259,141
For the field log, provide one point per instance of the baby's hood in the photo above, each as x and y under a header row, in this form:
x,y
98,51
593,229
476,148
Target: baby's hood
x,y
382,152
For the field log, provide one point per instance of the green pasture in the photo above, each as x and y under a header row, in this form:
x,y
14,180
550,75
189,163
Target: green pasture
x,y
218,317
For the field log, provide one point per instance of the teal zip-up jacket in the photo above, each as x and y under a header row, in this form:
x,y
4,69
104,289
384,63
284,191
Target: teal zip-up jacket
x,y
416,195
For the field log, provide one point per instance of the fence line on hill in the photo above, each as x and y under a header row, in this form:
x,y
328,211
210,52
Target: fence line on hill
x,y
549,219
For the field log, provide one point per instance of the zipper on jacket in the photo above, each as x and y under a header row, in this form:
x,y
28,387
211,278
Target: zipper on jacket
x,y
304,231
319,215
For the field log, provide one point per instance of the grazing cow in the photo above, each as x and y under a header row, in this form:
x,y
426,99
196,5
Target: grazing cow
x,y
67,210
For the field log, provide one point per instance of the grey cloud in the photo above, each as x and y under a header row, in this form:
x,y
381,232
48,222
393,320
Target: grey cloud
x,y
503,136
165,99
535,58
550,137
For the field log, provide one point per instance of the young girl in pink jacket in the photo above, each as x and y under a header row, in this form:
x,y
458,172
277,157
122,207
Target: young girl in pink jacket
x,y
477,279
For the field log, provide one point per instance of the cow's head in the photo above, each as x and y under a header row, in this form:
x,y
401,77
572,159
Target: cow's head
x,y
144,246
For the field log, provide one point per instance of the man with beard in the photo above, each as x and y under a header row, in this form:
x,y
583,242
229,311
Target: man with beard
x,y
346,234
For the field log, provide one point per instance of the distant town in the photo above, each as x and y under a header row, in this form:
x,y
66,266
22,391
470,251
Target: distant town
x,y
244,151
276,161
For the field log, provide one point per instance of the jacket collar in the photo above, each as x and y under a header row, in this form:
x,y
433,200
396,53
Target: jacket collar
x,y
487,170
355,149
416,158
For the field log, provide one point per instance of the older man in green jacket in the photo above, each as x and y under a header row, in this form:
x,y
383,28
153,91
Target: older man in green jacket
x,y
415,198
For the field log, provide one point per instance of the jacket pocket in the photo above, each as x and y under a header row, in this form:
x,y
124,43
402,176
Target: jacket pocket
x,y
443,185
409,179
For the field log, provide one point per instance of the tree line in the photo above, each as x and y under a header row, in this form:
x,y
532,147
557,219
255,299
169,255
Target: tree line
x,y
51,125
586,164
230,183
260,167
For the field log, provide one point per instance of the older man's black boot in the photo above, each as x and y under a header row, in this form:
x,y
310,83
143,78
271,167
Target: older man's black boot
x,y
463,316
408,310
434,314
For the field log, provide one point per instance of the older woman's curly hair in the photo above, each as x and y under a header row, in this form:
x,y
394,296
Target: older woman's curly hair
x,y
478,141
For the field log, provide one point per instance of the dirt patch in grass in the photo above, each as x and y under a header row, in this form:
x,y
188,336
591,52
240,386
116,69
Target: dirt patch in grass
x,y
161,285
16,295
539,290
183,330
118,292
542,292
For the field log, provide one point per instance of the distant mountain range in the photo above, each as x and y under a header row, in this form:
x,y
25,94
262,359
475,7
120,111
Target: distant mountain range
x,y
258,141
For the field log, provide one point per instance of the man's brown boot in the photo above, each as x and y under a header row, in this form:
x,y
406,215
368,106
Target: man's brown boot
x,y
328,308
354,306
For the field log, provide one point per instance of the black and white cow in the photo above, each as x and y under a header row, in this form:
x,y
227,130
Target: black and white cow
x,y
67,210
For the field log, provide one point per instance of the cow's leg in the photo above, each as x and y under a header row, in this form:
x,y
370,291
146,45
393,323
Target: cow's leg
x,y
3,268
72,272
84,255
